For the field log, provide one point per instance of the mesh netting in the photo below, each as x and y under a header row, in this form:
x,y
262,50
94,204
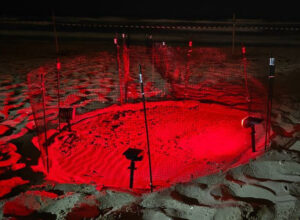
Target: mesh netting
x,y
195,98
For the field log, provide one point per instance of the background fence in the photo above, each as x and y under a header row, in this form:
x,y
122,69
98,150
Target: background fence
x,y
98,81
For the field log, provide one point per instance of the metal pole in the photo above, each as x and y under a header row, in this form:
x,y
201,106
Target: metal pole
x,y
188,70
126,67
269,100
58,91
146,125
253,137
121,78
44,117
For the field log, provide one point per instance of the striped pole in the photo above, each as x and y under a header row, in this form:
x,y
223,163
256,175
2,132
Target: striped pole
x,y
269,100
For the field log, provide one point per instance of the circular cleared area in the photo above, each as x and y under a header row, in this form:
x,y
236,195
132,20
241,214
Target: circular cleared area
x,y
187,139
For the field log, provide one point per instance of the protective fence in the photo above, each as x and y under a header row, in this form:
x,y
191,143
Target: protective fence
x,y
91,122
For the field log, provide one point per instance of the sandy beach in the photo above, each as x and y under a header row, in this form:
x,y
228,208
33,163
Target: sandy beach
x,y
265,186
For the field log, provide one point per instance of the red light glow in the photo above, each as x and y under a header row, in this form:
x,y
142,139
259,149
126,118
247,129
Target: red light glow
x,y
243,50
58,65
201,138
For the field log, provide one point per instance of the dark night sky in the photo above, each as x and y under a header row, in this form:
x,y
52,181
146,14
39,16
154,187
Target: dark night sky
x,y
156,9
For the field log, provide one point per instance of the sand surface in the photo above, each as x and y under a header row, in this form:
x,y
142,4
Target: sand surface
x,y
266,188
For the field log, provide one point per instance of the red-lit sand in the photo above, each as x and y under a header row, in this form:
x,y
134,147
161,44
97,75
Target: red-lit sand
x,y
265,188
187,139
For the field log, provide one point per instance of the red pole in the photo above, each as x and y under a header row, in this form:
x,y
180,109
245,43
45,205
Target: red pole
x,y
58,90
121,78
188,70
246,78
58,66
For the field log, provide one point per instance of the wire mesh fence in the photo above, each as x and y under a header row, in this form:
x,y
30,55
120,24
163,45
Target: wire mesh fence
x,y
195,100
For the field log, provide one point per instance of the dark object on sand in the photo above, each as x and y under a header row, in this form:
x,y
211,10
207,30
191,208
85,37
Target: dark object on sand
x,y
66,114
250,122
133,154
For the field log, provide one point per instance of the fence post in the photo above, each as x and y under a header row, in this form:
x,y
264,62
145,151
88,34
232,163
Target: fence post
x,y
58,91
58,66
146,125
269,100
45,121
121,78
